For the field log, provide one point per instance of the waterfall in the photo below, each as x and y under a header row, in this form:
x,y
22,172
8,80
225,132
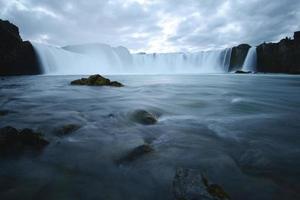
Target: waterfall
x,y
104,59
250,61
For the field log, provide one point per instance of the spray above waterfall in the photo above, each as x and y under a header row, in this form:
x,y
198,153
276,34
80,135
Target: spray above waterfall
x,y
104,59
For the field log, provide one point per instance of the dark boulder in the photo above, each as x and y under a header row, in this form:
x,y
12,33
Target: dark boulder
x,y
144,117
67,129
281,57
238,56
242,72
17,57
4,112
14,141
189,184
136,153
96,80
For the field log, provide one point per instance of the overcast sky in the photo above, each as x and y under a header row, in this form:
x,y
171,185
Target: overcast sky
x,y
154,25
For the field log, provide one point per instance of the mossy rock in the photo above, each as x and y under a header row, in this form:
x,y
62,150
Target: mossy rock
x,y
190,184
217,191
96,80
14,141
67,129
144,117
4,112
136,153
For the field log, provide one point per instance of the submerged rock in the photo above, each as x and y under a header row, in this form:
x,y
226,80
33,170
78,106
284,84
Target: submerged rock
x,y
67,129
144,117
136,153
242,72
190,185
4,112
96,80
14,141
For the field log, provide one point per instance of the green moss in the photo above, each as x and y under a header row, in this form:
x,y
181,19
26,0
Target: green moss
x,y
96,80
214,189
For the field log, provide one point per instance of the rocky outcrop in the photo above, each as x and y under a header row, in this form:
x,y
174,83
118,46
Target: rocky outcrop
x,y
67,129
189,184
13,141
242,72
144,117
96,80
238,55
135,154
281,57
17,57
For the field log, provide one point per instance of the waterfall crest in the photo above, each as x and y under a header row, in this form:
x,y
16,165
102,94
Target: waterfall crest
x,y
250,60
104,59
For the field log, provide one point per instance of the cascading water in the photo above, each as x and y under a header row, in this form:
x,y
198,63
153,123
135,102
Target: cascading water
x,y
104,59
250,61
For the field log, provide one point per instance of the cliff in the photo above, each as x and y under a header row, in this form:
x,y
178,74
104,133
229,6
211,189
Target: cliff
x,y
281,57
17,57
238,55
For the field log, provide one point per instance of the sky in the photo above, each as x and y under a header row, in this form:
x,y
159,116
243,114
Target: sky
x,y
154,25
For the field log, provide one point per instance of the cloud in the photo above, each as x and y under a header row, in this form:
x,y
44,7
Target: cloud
x,y
154,25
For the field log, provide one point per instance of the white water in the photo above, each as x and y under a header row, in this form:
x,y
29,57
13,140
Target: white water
x,y
104,59
250,61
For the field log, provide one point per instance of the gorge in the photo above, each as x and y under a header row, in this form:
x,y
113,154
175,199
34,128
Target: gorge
x,y
20,57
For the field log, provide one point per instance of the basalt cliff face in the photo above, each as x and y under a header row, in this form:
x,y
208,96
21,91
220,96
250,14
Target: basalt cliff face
x,y
281,57
17,57
238,55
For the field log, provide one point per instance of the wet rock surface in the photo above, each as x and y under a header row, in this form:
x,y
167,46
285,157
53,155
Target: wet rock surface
x,y
4,112
190,184
96,80
144,117
67,129
13,141
136,153
238,55
242,72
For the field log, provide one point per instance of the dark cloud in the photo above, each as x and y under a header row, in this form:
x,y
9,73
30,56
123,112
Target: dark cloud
x,y
154,25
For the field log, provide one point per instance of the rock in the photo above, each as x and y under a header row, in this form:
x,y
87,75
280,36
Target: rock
x,y
242,72
190,185
144,117
238,56
136,153
116,84
17,57
4,112
281,57
67,129
13,141
96,80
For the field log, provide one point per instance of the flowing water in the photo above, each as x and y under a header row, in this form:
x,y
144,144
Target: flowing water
x,y
250,60
104,59
242,131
